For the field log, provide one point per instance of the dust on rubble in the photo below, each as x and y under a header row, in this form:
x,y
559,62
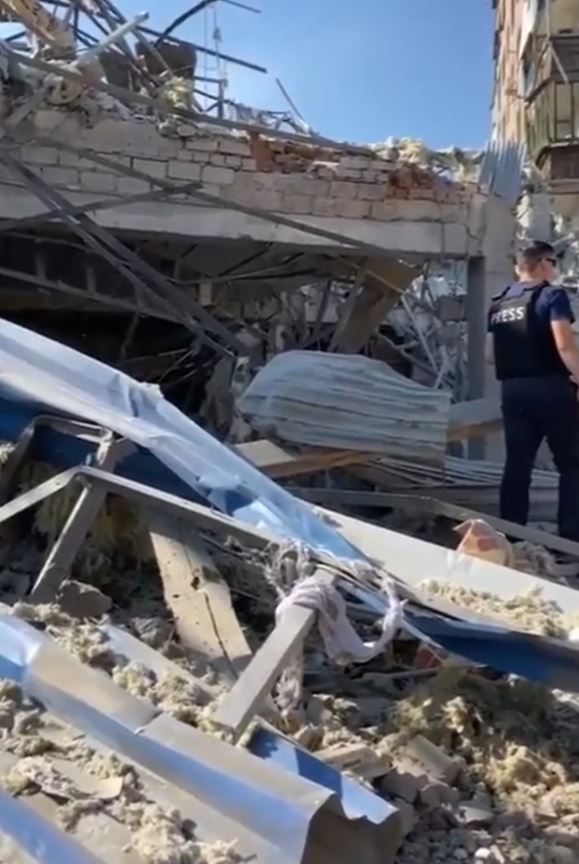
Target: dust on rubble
x,y
517,747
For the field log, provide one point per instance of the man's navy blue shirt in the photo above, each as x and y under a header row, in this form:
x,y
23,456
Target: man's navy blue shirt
x,y
552,304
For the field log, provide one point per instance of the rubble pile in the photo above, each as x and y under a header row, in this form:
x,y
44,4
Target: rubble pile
x,y
513,749
480,769
232,242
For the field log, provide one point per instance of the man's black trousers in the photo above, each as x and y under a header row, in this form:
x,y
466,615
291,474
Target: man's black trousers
x,y
534,409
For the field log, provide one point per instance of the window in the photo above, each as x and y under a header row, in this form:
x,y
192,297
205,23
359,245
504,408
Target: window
x,y
528,75
563,112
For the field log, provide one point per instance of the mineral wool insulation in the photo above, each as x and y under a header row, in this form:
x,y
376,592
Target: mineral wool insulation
x,y
158,835
529,612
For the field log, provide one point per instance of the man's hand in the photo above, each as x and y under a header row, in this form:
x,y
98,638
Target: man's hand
x,y
573,381
566,346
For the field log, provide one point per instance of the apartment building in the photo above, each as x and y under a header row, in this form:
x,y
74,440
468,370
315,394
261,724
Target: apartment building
x,y
536,88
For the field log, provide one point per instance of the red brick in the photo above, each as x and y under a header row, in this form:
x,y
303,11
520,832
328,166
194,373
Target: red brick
x,y
422,193
447,196
403,178
262,153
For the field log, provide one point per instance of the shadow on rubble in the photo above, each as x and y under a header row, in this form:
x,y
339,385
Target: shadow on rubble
x,y
519,745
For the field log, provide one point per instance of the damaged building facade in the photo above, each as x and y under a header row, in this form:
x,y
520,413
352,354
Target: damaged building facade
x,y
247,611
536,103
245,227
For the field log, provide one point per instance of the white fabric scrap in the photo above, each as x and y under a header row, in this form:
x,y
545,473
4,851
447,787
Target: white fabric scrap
x,y
342,643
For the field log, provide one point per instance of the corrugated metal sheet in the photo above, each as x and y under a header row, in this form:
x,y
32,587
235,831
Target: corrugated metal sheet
x,y
276,816
501,171
347,402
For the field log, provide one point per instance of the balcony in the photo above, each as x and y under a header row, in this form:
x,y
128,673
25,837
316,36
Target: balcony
x,y
552,110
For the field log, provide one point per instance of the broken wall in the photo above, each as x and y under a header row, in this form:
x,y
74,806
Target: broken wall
x,y
360,194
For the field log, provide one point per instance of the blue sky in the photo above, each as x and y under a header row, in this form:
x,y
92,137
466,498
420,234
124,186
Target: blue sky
x,y
359,69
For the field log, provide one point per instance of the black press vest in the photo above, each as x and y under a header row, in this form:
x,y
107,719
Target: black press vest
x,y
524,345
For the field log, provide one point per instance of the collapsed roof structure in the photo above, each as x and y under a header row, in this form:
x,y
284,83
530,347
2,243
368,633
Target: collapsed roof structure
x,y
184,215
177,237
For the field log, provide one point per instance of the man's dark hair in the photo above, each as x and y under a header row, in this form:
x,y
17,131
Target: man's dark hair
x,y
533,254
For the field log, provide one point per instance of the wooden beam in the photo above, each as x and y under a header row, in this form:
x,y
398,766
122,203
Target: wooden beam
x,y
346,309
198,597
61,557
383,284
475,419
247,696
277,461
543,505
467,419
370,308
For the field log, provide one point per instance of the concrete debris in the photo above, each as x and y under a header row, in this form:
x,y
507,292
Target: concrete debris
x,y
404,781
480,770
460,163
477,813
408,815
80,600
356,758
435,762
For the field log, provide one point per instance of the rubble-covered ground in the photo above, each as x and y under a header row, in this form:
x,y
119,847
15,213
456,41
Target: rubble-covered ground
x,y
500,785
46,752
508,791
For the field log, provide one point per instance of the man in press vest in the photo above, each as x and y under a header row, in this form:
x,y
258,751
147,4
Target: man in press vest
x,y
537,363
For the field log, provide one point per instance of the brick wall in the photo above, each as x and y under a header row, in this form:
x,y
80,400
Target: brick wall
x,y
273,175
509,106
